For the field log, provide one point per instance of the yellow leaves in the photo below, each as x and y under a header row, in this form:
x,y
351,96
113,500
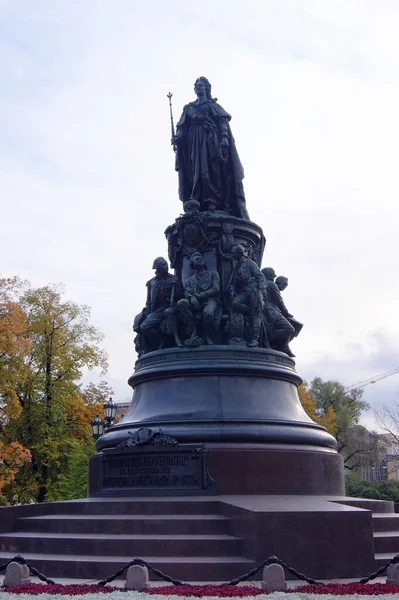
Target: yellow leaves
x,y
12,458
12,408
14,348
79,416
327,418
46,343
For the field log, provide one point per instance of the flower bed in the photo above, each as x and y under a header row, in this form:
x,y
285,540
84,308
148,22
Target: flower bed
x,y
307,592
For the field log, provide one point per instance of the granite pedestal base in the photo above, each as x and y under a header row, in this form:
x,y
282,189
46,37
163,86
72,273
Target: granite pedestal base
x,y
241,405
201,538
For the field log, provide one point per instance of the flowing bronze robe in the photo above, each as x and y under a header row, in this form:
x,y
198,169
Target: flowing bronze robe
x,y
203,175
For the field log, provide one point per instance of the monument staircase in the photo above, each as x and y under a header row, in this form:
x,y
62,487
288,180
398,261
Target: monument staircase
x,y
386,536
188,540
194,539
385,524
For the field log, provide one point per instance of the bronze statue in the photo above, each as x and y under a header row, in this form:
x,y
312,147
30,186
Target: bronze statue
x,y
218,294
158,320
278,326
207,161
247,288
282,284
201,305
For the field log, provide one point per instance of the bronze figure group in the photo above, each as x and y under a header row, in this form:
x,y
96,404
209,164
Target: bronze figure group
x,y
194,315
218,294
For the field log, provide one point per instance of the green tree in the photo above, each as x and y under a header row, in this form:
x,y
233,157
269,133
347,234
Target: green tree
x,y
80,411
357,446
72,482
327,418
54,411
14,355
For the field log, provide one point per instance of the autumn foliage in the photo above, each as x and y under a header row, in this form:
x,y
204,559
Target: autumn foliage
x,y
46,343
12,457
326,417
14,353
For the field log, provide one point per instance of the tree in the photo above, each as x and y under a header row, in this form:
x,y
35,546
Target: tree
x,y
80,411
14,353
327,418
388,420
12,457
354,442
14,348
51,411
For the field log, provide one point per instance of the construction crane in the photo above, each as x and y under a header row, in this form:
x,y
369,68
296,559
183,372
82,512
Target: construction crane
x,y
370,380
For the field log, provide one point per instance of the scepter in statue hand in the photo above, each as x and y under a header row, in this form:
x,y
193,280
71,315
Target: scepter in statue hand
x,y
172,125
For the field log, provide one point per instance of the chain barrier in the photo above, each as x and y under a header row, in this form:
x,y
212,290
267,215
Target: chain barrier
x,y
35,572
273,560
393,561
143,563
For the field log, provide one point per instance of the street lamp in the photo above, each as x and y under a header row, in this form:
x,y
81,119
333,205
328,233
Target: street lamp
x,y
110,409
98,426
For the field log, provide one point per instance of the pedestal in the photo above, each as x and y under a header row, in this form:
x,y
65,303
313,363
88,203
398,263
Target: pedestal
x,y
241,406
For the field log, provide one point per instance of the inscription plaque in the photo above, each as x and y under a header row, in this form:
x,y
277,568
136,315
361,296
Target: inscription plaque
x,y
152,470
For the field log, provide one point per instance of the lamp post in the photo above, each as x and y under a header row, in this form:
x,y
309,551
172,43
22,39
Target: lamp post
x,y
98,426
109,412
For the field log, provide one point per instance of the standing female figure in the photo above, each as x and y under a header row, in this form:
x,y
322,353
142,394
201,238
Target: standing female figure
x,y
207,161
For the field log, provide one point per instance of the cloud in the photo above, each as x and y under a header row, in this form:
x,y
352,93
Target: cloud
x,y
87,177
374,355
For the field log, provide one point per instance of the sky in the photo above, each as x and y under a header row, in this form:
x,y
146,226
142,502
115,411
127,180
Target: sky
x,y
87,180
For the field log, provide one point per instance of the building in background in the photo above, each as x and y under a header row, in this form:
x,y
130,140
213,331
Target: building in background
x,y
122,408
383,463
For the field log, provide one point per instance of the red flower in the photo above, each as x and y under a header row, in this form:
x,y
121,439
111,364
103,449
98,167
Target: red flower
x,y
342,589
68,590
199,591
222,591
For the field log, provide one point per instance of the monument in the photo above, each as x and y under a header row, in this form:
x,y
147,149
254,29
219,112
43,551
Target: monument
x,y
215,466
215,371
215,411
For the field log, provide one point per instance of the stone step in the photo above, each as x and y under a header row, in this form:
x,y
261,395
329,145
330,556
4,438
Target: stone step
x,y
117,545
185,568
381,558
386,541
376,506
128,506
386,522
126,524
